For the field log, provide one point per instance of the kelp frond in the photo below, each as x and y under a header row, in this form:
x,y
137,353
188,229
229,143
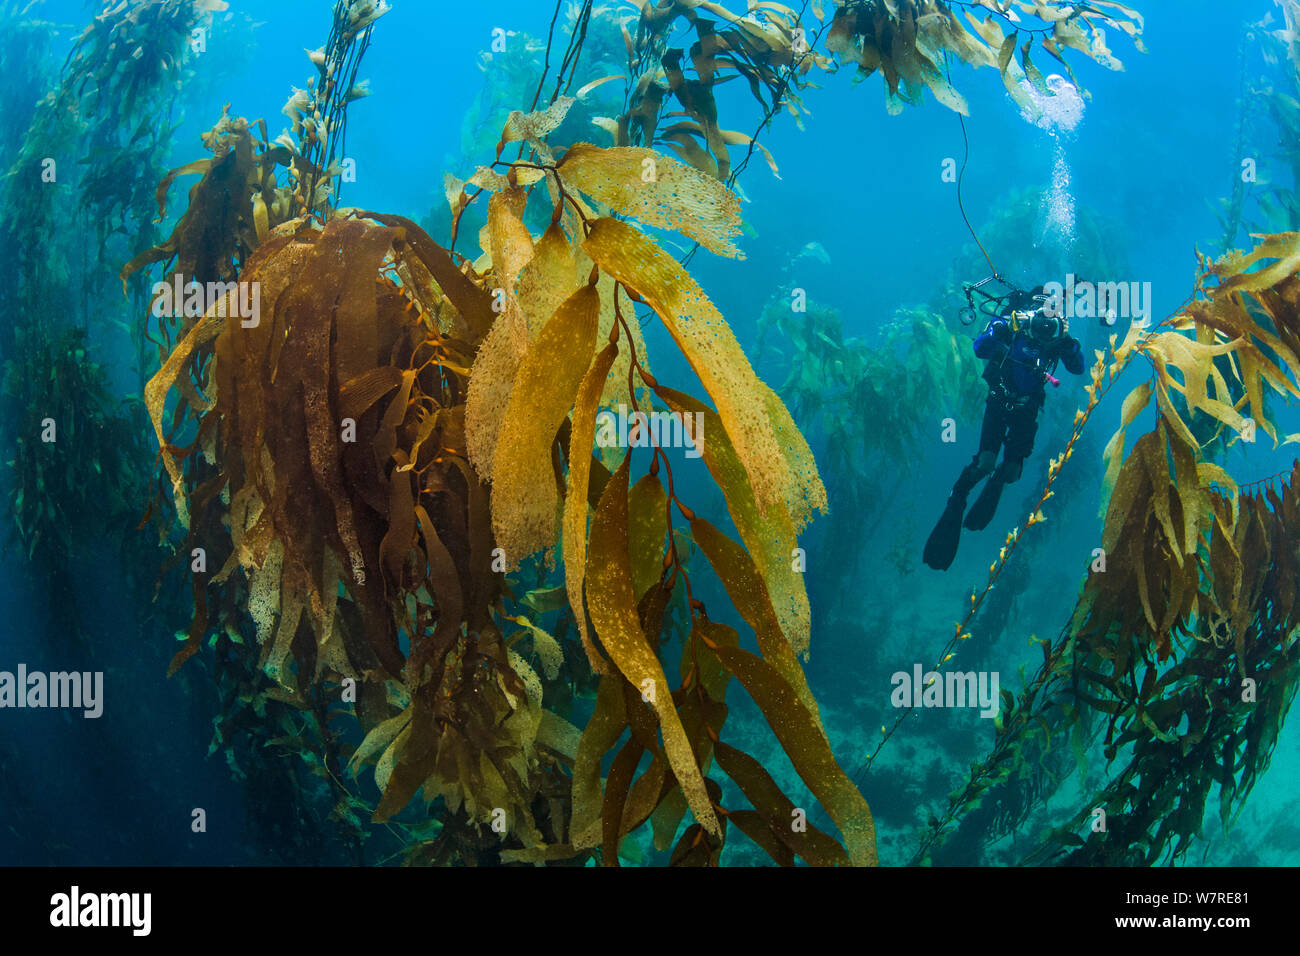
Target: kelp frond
x,y
909,40
369,468
1182,644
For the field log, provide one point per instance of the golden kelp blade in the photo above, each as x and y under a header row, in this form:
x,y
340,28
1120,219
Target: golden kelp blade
x,y
708,344
682,142
1134,402
558,735
155,397
282,258
1283,248
603,729
803,741
740,139
1192,491
549,278
497,365
490,381
511,244
534,126
746,589
1131,492
581,437
1196,361
770,538
647,532
657,190
548,649
807,494
776,809
524,496
613,612
1154,458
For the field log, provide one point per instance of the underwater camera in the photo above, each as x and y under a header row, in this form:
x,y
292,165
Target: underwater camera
x,y
1017,305
1038,324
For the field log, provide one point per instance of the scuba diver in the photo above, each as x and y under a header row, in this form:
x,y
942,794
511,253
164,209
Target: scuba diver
x,y
1021,345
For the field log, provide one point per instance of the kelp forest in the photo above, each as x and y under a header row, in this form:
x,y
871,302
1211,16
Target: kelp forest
x,y
477,534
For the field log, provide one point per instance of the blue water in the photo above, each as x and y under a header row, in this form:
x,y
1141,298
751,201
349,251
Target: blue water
x,y
1156,145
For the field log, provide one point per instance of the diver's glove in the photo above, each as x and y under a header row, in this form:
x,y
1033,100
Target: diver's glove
x,y
1002,332
1069,351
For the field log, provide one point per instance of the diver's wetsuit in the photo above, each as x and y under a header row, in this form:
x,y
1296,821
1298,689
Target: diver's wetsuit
x,y
1018,364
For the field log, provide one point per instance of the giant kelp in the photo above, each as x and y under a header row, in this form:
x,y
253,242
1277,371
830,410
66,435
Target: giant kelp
x,y
242,194
362,510
775,50
23,54
877,395
1267,110
30,133
402,427
346,401
131,50
1182,645
240,197
120,79
319,113
109,109
906,40
76,459
769,47
91,136
518,75
1276,95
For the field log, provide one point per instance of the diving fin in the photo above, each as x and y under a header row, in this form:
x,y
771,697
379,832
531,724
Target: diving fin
x,y
941,547
981,512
